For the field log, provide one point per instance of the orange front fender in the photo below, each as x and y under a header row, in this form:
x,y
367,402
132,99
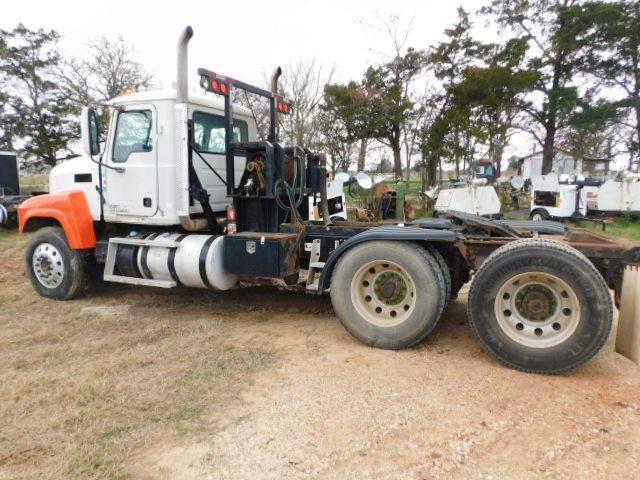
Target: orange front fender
x,y
70,209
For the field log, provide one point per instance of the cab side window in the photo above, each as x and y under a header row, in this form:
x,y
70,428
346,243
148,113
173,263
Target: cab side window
x,y
133,134
209,132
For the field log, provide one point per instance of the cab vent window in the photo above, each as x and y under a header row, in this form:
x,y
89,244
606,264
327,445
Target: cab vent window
x,y
133,134
209,132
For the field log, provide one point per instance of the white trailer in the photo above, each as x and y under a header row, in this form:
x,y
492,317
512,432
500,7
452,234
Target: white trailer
x,y
551,198
476,198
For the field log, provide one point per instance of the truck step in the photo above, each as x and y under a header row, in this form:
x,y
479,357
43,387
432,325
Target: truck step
x,y
112,250
314,285
140,242
315,267
140,281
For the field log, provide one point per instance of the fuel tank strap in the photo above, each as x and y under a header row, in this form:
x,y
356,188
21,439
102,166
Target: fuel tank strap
x,y
203,261
143,257
171,258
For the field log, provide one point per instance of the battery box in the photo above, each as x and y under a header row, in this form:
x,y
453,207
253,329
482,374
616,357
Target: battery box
x,y
261,254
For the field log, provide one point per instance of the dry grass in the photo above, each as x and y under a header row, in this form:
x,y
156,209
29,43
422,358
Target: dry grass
x,y
34,183
81,394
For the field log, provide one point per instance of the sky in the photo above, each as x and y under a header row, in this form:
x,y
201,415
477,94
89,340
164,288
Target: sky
x,y
248,39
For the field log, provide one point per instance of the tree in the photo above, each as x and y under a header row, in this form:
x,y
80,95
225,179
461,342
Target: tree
x,y
493,94
334,141
108,71
398,32
6,130
448,135
614,58
349,105
303,84
7,126
390,105
42,114
554,30
591,131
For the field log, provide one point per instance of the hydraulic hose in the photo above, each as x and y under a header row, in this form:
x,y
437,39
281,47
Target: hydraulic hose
x,y
295,198
324,201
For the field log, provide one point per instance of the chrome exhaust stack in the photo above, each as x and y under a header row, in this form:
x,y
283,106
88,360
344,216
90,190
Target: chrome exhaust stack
x,y
274,80
182,84
182,135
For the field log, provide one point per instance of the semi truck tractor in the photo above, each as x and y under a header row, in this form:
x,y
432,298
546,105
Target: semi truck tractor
x,y
179,190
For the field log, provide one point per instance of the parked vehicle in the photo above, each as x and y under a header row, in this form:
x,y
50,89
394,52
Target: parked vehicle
x,y
557,197
183,192
10,196
474,197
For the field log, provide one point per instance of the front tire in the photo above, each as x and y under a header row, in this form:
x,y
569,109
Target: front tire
x,y
55,270
540,306
388,294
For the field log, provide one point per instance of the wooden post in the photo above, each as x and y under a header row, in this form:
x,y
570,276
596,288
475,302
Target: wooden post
x,y
628,335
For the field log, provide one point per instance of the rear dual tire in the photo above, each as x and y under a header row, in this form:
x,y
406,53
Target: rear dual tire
x,y
540,306
388,294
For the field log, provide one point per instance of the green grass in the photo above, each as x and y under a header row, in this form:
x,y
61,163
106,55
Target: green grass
x,y
115,432
621,228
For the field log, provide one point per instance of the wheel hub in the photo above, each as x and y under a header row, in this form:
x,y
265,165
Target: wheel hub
x,y
536,302
537,309
48,266
384,293
390,288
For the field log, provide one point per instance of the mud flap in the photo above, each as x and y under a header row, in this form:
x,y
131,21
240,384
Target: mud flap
x,y
628,334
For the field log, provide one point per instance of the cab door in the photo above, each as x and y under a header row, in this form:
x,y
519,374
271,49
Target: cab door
x,y
132,191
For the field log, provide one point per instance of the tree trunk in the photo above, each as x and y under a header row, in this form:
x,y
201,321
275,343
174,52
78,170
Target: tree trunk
x,y
423,187
431,171
550,124
394,142
362,153
636,154
547,149
397,162
498,154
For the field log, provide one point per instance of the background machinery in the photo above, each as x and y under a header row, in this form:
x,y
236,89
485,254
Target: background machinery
x,y
558,197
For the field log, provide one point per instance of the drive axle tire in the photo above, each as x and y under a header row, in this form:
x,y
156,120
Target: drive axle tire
x,y
388,294
540,306
442,263
55,270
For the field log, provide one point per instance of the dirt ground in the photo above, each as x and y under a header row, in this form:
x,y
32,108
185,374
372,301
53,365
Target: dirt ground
x,y
261,384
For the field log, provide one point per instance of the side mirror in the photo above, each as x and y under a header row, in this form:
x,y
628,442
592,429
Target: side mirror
x,y
90,131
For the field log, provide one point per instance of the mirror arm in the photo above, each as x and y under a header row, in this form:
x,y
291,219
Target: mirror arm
x,y
100,164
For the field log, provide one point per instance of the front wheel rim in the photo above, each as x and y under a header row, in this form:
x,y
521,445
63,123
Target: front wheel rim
x,y
384,293
48,266
537,309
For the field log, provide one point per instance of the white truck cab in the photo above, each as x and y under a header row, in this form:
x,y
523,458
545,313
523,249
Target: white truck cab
x,y
139,158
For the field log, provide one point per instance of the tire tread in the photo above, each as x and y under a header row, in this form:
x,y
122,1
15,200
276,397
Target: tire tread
x,y
541,243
